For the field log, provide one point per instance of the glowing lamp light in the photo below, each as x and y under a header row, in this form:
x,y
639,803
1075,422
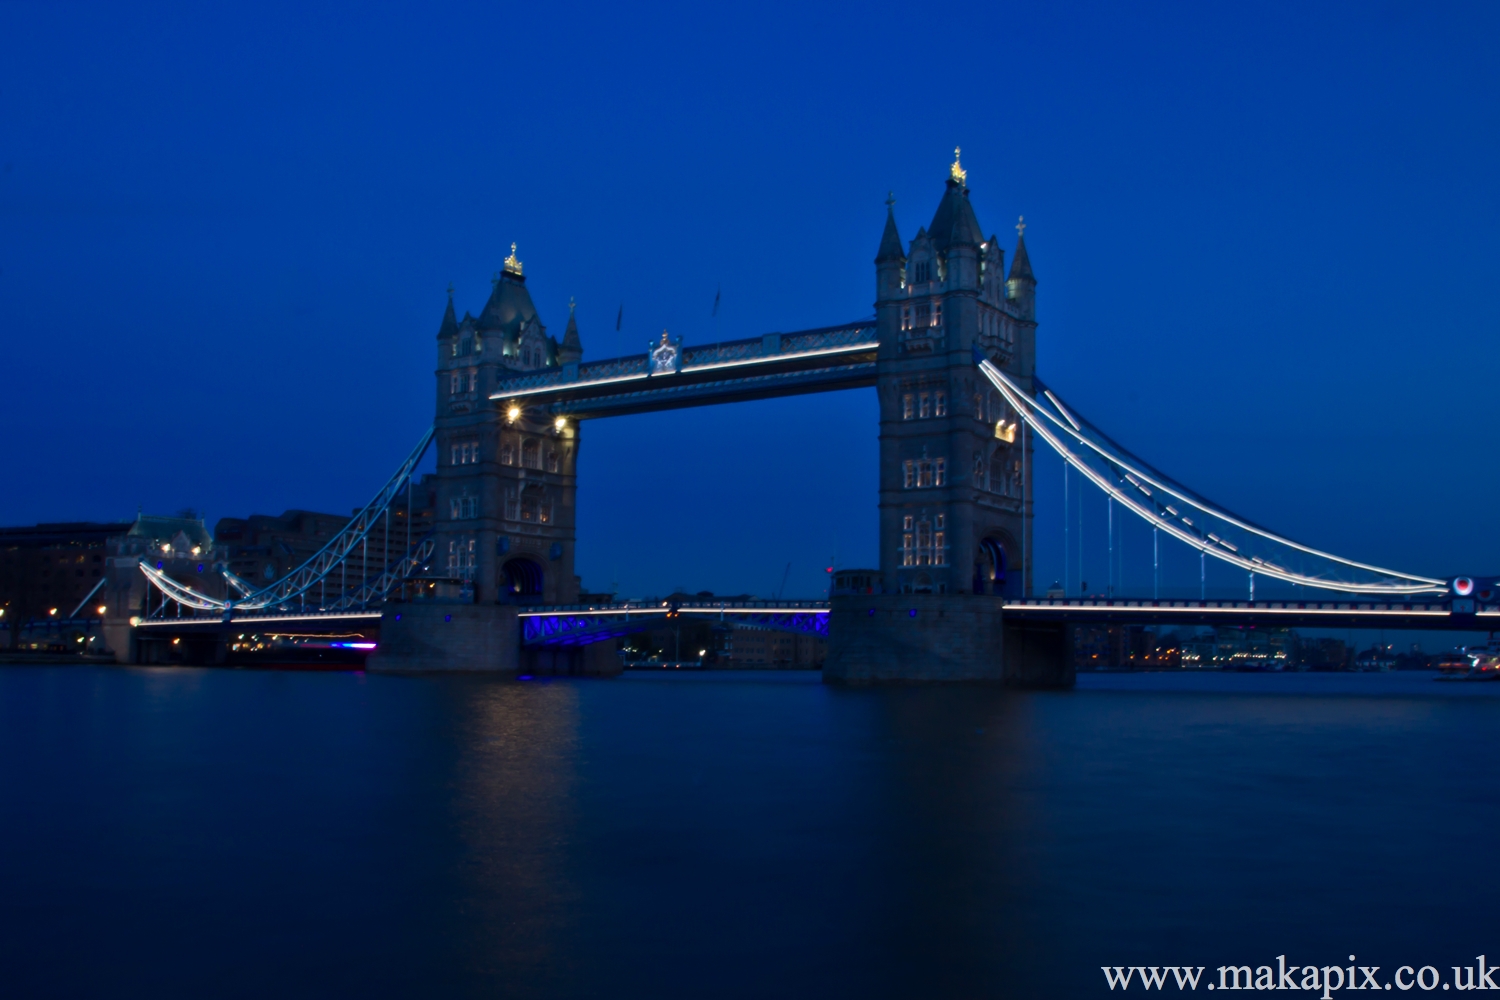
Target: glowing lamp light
x,y
165,547
101,609
561,423
513,413
1463,586
196,550
176,641
52,611
135,620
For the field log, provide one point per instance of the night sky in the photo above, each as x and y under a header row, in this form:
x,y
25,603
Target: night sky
x,y
1265,238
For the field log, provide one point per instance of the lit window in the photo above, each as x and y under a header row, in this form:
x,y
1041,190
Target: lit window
x,y
473,380
455,383
939,557
507,454
939,470
940,404
942,521
906,523
924,406
906,406
453,457
910,475
978,471
908,553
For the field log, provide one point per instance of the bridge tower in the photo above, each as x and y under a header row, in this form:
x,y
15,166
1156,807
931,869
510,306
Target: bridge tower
x,y
506,482
955,464
955,495
506,487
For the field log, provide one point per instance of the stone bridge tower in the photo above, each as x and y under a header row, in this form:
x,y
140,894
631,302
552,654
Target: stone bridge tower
x,y
955,491
506,474
955,466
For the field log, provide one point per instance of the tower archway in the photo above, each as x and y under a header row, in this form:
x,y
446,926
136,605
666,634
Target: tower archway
x,y
521,580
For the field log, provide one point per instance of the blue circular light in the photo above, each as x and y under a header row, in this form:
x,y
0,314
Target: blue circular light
x,y
912,612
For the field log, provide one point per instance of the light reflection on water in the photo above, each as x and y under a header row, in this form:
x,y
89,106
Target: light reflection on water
x,y
241,833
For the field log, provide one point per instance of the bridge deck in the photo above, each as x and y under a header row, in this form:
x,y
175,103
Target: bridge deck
x,y
777,364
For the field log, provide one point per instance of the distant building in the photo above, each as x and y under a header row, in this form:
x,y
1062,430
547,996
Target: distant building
x,y
78,572
1324,654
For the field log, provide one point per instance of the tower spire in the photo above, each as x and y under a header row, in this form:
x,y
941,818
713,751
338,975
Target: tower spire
x,y
449,327
890,240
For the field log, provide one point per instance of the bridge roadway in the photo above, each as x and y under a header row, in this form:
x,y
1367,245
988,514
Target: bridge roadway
x,y
343,637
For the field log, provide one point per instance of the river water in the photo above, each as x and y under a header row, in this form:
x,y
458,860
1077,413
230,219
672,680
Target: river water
x,y
217,833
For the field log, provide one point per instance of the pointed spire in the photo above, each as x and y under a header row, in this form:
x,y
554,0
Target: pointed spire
x,y
1020,267
890,240
571,348
449,327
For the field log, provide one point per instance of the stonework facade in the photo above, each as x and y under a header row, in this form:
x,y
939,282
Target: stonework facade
x,y
955,490
506,479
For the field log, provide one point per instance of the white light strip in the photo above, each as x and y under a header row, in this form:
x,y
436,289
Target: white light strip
x,y
1200,609
847,349
680,611
259,619
745,362
569,385
1028,409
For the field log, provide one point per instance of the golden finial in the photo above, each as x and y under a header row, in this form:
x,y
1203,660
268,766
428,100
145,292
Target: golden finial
x,y
512,265
664,339
1020,227
957,172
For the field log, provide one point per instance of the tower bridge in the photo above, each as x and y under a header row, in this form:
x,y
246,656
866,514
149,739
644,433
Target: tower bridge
x,y
951,354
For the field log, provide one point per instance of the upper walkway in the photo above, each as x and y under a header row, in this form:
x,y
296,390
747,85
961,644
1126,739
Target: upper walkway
x,y
672,376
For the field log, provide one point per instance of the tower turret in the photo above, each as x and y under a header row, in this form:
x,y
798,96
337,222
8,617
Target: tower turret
x,y
1020,284
571,350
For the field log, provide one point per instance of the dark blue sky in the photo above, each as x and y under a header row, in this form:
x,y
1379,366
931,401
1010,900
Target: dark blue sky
x,y
1266,239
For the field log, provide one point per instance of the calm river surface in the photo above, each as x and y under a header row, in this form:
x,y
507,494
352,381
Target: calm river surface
x,y
216,833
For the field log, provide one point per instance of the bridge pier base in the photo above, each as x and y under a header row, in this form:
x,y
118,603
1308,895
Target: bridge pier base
x,y
596,659
941,637
430,636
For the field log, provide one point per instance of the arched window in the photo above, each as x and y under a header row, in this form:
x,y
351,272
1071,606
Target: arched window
x,y
531,454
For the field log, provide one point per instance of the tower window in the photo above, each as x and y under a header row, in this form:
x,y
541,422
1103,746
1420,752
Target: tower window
x,y
911,474
508,453
940,404
924,475
473,379
456,383
551,461
939,472
906,406
924,406
906,523
531,455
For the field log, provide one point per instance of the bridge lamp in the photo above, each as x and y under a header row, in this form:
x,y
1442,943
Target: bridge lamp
x,y
53,611
101,609
561,424
513,413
